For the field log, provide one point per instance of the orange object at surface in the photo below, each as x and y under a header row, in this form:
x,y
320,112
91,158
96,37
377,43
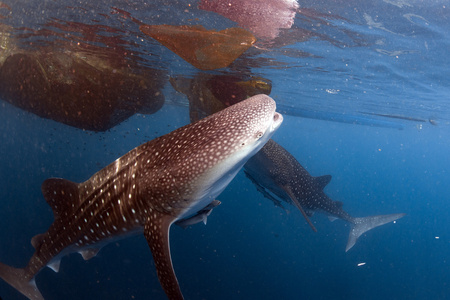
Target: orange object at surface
x,y
202,48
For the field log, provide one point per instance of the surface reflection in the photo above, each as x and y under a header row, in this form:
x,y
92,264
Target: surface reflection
x,y
75,82
204,49
263,18
208,94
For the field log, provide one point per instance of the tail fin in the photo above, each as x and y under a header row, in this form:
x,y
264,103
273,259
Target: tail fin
x,y
18,279
361,225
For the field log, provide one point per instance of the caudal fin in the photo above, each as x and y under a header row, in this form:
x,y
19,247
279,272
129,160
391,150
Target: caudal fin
x,y
18,279
361,225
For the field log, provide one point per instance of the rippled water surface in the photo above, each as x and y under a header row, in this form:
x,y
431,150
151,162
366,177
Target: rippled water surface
x,y
364,87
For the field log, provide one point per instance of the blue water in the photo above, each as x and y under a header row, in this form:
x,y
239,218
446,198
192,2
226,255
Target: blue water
x,y
251,249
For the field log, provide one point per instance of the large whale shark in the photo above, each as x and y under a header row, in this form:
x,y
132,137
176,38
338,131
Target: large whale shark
x,y
170,178
279,176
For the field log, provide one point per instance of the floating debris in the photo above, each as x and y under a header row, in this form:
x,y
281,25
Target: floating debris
x,y
202,48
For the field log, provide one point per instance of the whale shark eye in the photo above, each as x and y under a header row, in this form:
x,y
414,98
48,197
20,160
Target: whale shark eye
x,y
259,134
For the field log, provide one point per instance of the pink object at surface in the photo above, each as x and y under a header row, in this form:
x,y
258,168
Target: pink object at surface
x,y
264,18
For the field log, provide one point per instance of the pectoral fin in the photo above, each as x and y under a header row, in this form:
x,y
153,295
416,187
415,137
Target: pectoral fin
x,y
156,231
297,203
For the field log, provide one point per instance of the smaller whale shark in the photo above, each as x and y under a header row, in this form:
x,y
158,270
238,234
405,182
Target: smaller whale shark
x,y
278,175
174,177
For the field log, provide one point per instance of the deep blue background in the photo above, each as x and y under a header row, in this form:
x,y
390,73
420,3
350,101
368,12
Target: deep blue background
x,y
251,249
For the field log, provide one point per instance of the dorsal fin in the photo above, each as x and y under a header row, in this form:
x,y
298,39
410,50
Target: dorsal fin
x,y
62,195
322,181
37,240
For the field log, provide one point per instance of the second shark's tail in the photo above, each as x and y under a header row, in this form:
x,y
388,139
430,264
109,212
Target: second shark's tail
x,y
361,225
17,279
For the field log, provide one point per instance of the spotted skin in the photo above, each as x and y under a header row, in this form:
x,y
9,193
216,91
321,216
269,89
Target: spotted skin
x,y
167,179
278,174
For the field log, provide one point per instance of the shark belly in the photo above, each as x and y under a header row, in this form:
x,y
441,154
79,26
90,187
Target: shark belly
x,y
213,182
211,187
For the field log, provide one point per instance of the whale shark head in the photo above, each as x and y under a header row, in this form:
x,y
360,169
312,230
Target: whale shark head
x,y
227,140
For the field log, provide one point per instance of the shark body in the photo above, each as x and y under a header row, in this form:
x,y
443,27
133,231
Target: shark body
x,y
279,176
170,178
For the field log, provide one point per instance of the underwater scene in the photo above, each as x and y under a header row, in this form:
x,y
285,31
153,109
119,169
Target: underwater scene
x,y
224,149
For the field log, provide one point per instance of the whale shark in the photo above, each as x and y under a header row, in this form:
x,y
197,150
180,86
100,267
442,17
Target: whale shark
x,y
170,178
279,176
